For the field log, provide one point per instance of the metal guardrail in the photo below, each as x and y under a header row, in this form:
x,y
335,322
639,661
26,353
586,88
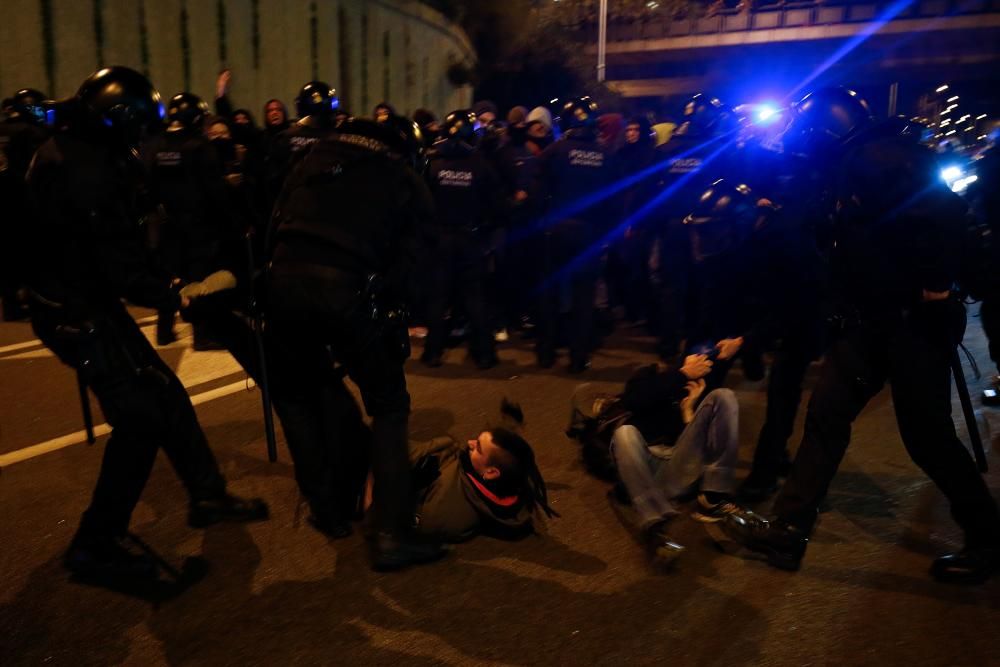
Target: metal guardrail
x,y
791,15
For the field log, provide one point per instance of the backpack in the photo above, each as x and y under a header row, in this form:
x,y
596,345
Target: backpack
x,y
594,416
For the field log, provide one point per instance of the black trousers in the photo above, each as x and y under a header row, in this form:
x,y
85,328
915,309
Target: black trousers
x,y
459,265
800,345
571,269
147,408
314,322
673,277
913,352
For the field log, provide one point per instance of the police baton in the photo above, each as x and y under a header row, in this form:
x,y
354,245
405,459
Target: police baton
x,y
257,324
88,417
970,415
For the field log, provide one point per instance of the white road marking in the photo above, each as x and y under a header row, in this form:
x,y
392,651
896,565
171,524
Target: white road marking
x,y
78,437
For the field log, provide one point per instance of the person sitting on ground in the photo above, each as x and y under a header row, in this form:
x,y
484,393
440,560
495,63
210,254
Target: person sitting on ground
x,y
663,455
490,485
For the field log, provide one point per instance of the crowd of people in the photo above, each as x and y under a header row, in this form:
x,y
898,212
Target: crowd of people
x,y
320,245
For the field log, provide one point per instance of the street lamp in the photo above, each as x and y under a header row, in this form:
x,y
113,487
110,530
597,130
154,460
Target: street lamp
x,y
602,42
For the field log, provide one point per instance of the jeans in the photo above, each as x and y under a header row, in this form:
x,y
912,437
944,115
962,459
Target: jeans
x,y
707,449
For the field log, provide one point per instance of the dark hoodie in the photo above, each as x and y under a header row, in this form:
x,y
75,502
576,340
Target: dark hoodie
x,y
455,504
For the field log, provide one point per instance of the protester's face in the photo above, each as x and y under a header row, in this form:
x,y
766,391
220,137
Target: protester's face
x,y
217,131
381,114
486,118
481,452
274,113
537,131
241,119
632,133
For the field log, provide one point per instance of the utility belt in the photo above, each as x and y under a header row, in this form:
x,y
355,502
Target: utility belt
x,y
95,345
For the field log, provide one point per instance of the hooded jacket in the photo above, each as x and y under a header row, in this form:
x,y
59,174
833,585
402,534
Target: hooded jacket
x,y
454,504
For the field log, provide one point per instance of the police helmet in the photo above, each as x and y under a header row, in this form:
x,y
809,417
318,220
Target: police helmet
x,y
579,112
460,125
723,217
121,103
316,99
825,120
28,105
185,111
397,136
705,114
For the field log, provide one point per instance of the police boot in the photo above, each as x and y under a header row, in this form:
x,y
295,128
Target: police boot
x,y
390,552
228,508
783,545
109,558
968,566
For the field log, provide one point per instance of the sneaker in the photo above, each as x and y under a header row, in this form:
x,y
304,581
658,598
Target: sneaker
x,y
501,336
228,508
968,566
663,550
709,512
782,544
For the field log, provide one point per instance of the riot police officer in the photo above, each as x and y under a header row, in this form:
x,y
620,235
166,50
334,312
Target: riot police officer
x,y
898,235
187,178
316,104
569,171
468,200
87,255
345,234
21,133
695,156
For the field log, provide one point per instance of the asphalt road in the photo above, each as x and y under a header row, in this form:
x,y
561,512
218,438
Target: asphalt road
x,y
582,594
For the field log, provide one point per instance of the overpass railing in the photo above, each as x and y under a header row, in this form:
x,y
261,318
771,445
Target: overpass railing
x,y
749,15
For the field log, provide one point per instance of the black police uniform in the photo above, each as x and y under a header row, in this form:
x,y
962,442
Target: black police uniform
x,y
898,234
468,201
690,161
200,234
344,238
985,194
87,256
288,147
570,172
19,139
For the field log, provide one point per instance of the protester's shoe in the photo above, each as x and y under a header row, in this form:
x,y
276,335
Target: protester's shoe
x,y
390,553
578,366
107,558
431,360
758,488
968,566
335,529
708,510
991,395
782,544
663,550
228,508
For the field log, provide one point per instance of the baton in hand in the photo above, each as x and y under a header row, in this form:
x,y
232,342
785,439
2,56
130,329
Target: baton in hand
x,y
970,415
257,323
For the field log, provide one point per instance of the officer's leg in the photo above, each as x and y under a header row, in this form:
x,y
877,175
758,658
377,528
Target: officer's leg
x,y
548,302
471,276
921,390
851,376
441,275
784,393
581,338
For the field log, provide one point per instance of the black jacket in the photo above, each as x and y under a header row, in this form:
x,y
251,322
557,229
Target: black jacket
x,y
467,191
88,249
349,206
570,172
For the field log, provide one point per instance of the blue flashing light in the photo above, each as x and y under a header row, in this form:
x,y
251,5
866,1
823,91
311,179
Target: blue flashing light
x,y
766,113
